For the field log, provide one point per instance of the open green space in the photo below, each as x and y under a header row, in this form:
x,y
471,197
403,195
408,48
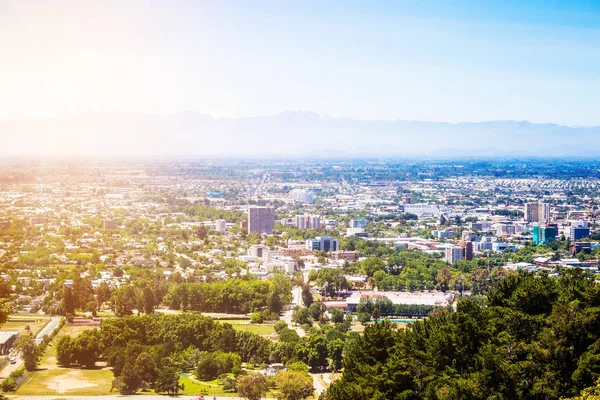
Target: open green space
x,y
194,387
259,329
19,323
85,382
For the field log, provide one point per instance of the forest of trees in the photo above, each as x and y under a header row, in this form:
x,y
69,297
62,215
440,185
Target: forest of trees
x,y
537,337
149,351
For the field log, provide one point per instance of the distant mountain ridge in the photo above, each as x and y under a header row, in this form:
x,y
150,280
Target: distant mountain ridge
x,y
288,133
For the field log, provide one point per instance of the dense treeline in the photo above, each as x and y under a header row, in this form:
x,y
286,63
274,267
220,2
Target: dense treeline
x,y
536,338
149,351
208,213
409,270
231,296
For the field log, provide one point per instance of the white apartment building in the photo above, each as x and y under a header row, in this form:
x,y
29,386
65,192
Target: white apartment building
x,y
302,196
453,254
308,221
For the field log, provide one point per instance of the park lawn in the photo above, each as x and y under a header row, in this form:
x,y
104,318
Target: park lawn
x,y
259,329
20,322
194,387
74,330
71,381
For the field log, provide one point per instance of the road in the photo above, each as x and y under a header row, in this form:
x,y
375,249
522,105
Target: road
x,y
46,330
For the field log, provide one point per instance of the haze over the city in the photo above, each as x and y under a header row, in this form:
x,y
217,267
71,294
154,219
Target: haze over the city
x,y
100,77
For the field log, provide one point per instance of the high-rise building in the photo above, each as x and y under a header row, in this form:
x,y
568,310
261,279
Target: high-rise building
x,y
544,234
109,224
358,223
261,220
467,248
537,212
453,254
579,230
308,221
221,225
324,243
302,196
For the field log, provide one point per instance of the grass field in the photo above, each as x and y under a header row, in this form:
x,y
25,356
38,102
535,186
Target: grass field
x,y
20,322
89,382
212,388
71,381
259,329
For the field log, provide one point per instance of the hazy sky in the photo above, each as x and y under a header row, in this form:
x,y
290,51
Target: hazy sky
x,y
420,60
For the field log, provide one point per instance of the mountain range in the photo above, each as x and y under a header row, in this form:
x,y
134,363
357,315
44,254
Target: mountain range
x,y
289,133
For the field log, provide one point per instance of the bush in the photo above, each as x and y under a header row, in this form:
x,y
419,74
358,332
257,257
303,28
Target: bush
x,y
8,385
364,317
280,325
256,318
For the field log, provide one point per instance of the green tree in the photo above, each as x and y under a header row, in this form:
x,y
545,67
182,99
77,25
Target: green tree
x,y
252,387
167,380
293,385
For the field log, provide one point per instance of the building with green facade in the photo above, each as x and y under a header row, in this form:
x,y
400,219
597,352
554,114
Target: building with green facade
x,y
544,234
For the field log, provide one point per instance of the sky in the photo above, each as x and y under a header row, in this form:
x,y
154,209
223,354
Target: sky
x,y
425,60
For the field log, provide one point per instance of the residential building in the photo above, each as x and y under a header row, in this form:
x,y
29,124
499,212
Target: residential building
x,y
302,196
324,243
261,220
469,236
537,212
221,225
442,234
308,221
258,251
358,223
453,254
480,226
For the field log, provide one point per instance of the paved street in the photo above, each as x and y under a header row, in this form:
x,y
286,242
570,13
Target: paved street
x,y
46,330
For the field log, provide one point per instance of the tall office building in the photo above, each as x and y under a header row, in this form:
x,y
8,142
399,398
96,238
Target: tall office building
x,y
537,212
467,248
544,234
453,254
324,243
261,220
